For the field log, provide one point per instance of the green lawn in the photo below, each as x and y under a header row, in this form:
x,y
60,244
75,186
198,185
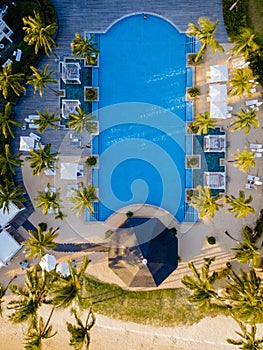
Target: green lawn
x,y
254,17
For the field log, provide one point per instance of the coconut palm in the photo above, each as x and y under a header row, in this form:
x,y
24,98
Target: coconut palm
x,y
11,82
242,82
72,290
203,123
40,78
248,339
85,48
9,193
80,334
240,205
8,161
205,34
45,120
83,198
244,160
80,122
245,119
42,159
7,122
3,291
38,242
49,200
245,42
38,33
205,203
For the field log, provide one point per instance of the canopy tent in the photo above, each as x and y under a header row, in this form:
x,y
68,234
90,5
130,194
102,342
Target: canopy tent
x,y
8,247
215,180
26,143
6,217
68,171
214,143
143,252
63,268
48,262
219,73
218,92
218,109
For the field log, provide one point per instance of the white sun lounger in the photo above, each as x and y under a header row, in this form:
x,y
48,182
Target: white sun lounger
x,y
253,178
255,146
36,137
251,102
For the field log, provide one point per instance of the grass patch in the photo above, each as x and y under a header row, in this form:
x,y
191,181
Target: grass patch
x,y
160,308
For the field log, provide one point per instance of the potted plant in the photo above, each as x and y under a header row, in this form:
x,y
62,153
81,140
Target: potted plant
x,y
91,94
129,214
91,161
211,240
193,92
193,161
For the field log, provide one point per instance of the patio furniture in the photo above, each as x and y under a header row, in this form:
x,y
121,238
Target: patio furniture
x,y
250,186
69,106
36,137
229,108
71,188
215,180
255,146
253,178
50,172
257,155
214,143
251,102
33,126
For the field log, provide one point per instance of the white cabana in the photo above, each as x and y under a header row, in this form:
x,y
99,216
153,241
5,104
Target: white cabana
x,y
63,268
6,217
26,143
218,109
48,262
68,171
218,92
214,143
8,247
219,73
215,180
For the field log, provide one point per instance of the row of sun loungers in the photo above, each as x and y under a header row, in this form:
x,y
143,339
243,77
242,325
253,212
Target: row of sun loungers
x,y
252,182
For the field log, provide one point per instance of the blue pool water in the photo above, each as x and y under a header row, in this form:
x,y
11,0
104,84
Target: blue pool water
x,y
142,113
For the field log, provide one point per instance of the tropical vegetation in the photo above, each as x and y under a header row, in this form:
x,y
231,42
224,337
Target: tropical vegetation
x,y
83,198
50,202
202,123
242,82
244,160
40,78
80,122
85,48
42,159
7,122
46,119
10,194
240,205
245,120
11,82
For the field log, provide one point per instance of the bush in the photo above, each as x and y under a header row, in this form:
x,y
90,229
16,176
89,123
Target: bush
x,y
211,240
173,230
91,161
129,214
193,92
91,94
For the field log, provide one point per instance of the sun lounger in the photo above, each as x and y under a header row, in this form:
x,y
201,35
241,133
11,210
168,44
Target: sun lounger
x,y
36,137
253,90
33,126
257,155
250,187
50,172
259,103
258,183
255,146
229,108
253,178
251,102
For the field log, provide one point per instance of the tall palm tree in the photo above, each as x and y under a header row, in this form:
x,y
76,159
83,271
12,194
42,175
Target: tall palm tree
x,y
7,122
38,242
245,42
40,78
240,205
3,291
48,200
83,198
8,161
245,119
72,290
11,82
45,120
241,82
85,48
80,334
244,160
205,203
38,33
80,122
42,159
248,339
9,193
203,123
205,34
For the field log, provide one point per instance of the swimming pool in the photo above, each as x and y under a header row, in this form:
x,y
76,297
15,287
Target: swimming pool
x,y
142,113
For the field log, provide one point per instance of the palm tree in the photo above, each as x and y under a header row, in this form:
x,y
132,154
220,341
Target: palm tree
x,y
40,78
85,48
83,198
244,159
39,241
7,122
245,119
3,291
248,339
9,193
8,161
42,158
203,123
80,122
80,334
72,290
45,120
241,82
245,42
205,203
48,200
38,33
10,82
241,206
205,34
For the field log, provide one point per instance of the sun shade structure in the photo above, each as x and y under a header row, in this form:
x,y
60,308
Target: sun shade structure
x,y
215,180
219,73
214,143
218,92
63,268
26,143
6,217
69,106
218,109
71,73
143,252
48,262
8,247
68,171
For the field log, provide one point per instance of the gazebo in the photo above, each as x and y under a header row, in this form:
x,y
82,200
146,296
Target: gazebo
x,y
71,73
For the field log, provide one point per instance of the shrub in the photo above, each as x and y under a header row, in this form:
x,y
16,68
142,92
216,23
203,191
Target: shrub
x,y
193,92
91,161
91,94
129,214
211,240
173,230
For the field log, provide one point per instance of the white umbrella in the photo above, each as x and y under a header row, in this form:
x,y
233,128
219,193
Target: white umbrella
x,y
219,73
218,92
26,143
63,268
48,262
68,171
218,110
